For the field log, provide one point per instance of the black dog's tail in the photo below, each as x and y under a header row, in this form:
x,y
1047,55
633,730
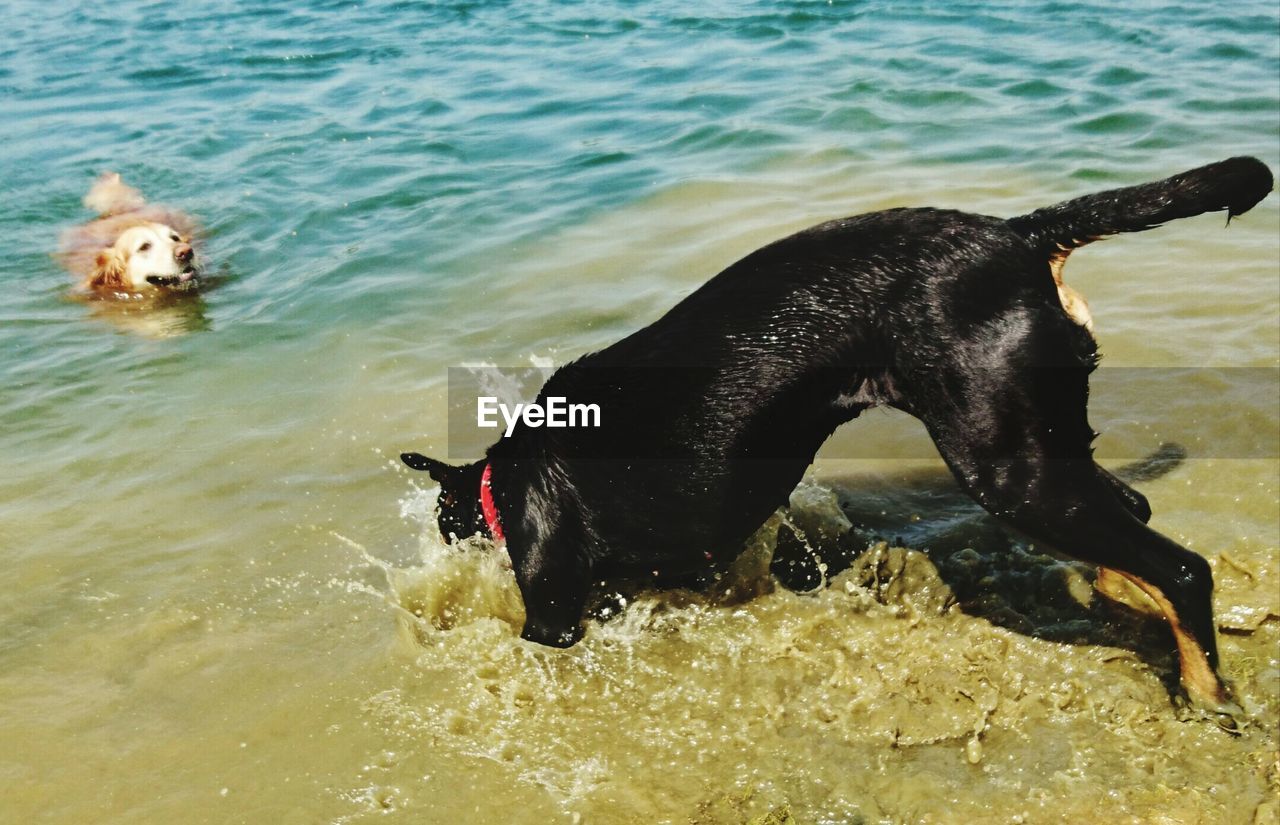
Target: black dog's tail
x,y
1235,184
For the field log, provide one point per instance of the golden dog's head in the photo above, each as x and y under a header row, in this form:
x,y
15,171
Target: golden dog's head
x,y
144,256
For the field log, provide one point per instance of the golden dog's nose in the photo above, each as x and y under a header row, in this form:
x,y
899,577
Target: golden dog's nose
x,y
183,252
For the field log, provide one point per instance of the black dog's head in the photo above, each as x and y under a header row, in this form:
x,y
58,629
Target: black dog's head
x,y
459,514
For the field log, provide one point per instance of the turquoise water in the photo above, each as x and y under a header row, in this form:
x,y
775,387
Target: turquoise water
x,y
389,189
370,165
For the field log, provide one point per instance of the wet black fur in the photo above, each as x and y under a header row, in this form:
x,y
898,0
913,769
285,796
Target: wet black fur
x,y
712,413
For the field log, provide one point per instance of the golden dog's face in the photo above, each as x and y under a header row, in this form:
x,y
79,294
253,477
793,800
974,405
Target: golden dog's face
x,y
146,256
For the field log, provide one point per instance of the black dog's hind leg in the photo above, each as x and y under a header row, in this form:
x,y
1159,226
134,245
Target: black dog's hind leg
x,y
1068,505
1023,453
1111,583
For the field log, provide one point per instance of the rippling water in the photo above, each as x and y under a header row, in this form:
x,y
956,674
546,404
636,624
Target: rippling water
x,y
221,601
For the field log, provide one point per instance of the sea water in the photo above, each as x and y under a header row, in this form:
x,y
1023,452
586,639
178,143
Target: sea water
x,y
223,600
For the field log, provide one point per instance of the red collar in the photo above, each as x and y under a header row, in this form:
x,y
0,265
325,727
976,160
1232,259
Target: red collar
x,y
487,506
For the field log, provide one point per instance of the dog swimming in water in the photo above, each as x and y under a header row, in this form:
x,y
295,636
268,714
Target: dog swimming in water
x,y
132,246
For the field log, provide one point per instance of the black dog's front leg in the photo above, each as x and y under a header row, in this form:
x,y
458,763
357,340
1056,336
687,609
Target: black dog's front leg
x,y
553,583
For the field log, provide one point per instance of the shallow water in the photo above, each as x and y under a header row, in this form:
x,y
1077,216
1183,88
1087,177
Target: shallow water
x,y
222,599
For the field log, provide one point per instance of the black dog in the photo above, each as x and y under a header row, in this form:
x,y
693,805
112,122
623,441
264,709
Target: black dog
x,y
711,414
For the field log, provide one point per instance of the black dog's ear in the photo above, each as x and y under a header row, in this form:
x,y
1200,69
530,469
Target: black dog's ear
x,y
438,470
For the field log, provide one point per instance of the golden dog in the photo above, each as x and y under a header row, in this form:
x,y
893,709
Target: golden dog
x,y
132,247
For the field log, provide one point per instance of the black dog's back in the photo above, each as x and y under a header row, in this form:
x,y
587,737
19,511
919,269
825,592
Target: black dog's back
x,y
755,369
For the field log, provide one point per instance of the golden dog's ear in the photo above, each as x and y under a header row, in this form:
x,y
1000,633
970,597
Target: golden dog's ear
x,y
108,271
